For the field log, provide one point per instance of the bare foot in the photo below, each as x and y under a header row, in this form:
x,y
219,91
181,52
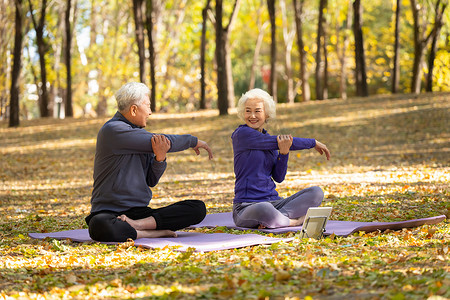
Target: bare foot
x,y
296,222
155,233
145,228
141,224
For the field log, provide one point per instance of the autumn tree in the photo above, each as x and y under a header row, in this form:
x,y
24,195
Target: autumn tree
x,y
360,58
438,23
202,55
225,89
273,50
298,13
6,34
42,48
150,16
17,65
422,38
69,19
138,13
288,37
396,68
341,48
321,52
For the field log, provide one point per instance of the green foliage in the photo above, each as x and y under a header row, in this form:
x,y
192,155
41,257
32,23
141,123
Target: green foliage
x,y
110,58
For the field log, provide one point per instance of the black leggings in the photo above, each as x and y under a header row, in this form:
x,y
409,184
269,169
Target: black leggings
x,y
104,226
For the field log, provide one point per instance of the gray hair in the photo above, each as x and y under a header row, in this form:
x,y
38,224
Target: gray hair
x,y
269,104
131,93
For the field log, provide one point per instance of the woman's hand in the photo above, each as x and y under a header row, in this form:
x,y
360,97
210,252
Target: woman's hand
x,y
204,145
160,146
321,148
284,143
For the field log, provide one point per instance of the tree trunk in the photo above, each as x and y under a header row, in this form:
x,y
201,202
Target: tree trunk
x,y
273,50
288,36
325,57
438,23
320,65
396,69
140,41
6,34
298,9
202,56
44,105
58,54
68,109
93,25
342,53
421,40
17,65
152,57
222,85
225,96
360,60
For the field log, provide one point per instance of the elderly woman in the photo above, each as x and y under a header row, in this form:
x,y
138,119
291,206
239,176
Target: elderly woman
x,y
259,160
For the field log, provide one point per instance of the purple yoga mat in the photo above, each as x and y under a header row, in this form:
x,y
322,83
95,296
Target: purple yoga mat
x,y
339,228
200,241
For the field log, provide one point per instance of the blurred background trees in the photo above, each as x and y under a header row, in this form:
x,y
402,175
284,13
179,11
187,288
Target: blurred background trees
x,y
67,58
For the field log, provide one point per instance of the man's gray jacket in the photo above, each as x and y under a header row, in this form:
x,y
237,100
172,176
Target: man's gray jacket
x,y
125,165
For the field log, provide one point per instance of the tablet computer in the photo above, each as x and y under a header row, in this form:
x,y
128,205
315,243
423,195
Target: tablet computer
x,y
315,220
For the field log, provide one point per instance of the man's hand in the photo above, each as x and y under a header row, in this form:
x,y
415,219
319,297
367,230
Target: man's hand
x,y
284,143
321,148
204,145
160,146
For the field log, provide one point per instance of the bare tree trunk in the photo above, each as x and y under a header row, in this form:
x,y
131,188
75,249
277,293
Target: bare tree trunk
x,y
152,58
421,40
58,53
360,59
68,109
396,69
202,56
93,25
139,25
288,36
273,50
5,54
298,9
320,65
342,53
14,120
223,59
438,23
44,105
222,86
325,57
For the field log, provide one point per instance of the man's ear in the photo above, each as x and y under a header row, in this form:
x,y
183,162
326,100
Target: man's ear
x,y
133,109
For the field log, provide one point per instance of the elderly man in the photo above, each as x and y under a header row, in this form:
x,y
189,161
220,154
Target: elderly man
x,y
128,160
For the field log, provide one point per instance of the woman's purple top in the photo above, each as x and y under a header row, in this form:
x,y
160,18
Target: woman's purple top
x,y
257,163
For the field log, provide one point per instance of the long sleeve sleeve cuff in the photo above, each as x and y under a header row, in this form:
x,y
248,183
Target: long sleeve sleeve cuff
x,y
283,157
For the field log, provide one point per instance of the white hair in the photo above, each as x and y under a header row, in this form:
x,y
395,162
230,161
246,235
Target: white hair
x,y
269,104
131,93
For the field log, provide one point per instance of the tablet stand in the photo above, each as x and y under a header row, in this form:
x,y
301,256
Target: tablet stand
x,y
314,227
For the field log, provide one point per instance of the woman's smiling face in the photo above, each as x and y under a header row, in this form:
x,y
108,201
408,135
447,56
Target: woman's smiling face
x,y
255,114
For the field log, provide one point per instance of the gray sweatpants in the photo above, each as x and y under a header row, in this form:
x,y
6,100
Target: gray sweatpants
x,y
274,214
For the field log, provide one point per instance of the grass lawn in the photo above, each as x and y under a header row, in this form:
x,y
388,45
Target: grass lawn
x,y
390,162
